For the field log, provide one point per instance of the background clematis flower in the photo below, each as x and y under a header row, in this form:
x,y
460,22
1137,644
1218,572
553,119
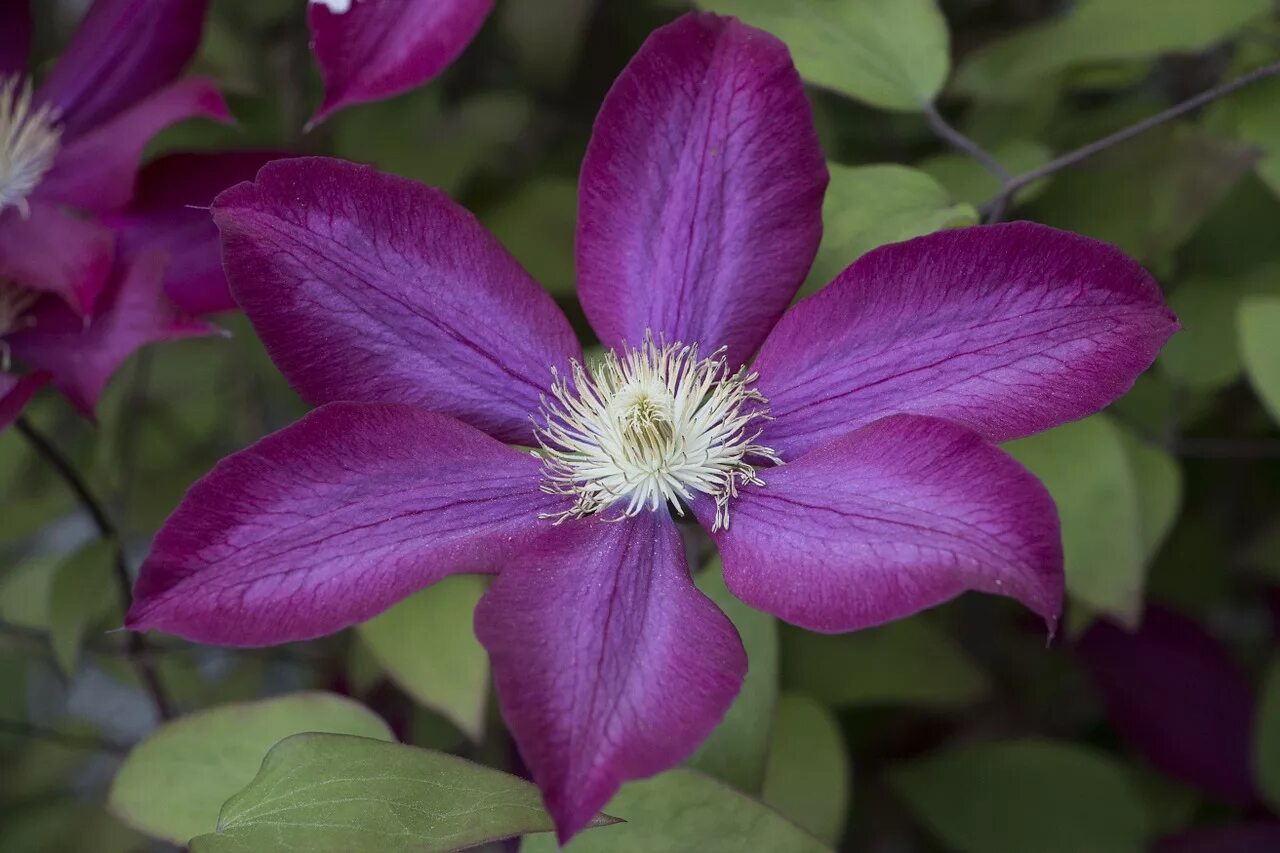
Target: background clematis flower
x,y
69,151
369,50
846,475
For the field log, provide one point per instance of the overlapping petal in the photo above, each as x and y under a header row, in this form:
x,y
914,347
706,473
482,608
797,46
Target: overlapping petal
x,y
1175,693
82,353
16,392
330,521
124,51
15,36
887,520
1008,329
610,664
372,50
365,286
701,191
96,171
54,251
170,212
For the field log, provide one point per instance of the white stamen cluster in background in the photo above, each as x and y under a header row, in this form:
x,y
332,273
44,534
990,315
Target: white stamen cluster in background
x,y
655,425
29,138
15,301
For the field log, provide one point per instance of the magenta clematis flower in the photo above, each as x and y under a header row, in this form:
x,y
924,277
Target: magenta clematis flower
x,y
846,474
372,49
69,151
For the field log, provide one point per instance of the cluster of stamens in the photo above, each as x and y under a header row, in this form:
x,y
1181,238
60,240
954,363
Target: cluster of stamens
x,y
15,302
655,425
29,137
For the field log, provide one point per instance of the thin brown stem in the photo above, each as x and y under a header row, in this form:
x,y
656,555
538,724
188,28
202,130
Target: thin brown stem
x,y
957,140
136,645
994,208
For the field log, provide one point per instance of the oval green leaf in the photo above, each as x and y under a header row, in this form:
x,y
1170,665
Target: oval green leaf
x,y
1260,348
173,784
808,774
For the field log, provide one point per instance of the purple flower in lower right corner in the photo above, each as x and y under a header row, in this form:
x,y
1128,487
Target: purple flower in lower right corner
x,y
839,451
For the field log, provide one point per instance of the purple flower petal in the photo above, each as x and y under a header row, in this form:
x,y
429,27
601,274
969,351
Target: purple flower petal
x,y
15,36
885,521
1257,837
124,51
610,664
16,392
376,49
701,191
170,212
96,171
83,353
54,252
1177,696
366,286
332,520
1007,329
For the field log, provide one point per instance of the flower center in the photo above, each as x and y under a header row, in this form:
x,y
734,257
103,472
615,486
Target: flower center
x,y
653,425
28,143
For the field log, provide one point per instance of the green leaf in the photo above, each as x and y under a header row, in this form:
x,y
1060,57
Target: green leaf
x,y
738,748
547,36
684,810
1260,348
1094,32
81,592
1088,471
537,224
969,182
172,785
427,646
338,794
1266,736
908,662
1159,480
808,774
1025,795
1257,116
888,53
868,206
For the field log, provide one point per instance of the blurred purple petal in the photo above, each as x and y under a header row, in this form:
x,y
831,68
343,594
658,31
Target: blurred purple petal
x,y
332,520
366,286
379,48
15,36
888,520
1238,838
170,212
610,664
1008,329
55,252
1177,696
701,191
16,392
83,353
96,171
124,51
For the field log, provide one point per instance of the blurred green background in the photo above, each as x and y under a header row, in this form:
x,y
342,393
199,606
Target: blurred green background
x,y
957,730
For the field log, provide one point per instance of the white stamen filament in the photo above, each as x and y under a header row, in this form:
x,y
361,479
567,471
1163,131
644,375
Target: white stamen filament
x,y
654,426
29,139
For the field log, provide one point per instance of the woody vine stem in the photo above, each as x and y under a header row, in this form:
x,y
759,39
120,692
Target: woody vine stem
x,y
137,645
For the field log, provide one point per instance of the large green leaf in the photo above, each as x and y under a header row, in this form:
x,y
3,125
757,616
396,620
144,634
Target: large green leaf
x,y
1028,795
1260,348
173,783
1092,32
1266,737
887,53
683,810
338,794
738,748
1087,470
1159,480
868,206
427,646
808,774
908,662
82,591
